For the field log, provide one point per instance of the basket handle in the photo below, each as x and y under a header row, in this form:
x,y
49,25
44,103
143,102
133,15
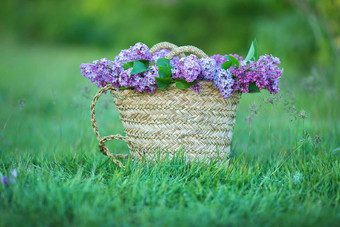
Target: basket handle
x,y
101,140
186,49
163,45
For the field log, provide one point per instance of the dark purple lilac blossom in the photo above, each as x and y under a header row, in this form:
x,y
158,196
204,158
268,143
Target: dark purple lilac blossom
x,y
264,73
196,87
4,180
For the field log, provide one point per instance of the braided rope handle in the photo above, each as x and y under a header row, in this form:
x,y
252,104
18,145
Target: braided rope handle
x,y
164,45
186,49
101,140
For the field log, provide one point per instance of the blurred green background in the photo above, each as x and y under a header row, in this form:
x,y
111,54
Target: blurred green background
x,y
305,34
44,42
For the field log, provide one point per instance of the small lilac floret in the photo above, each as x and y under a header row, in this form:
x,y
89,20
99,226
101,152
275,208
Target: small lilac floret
x,y
196,87
4,180
125,78
14,173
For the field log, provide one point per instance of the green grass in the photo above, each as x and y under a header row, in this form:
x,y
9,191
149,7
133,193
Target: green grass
x,y
278,175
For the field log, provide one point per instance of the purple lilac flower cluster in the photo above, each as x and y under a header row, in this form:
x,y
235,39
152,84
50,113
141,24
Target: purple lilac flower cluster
x,y
99,72
105,72
223,81
188,68
137,52
264,73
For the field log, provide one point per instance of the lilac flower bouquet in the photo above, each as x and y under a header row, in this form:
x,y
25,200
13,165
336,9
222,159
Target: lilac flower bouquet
x,y
136,68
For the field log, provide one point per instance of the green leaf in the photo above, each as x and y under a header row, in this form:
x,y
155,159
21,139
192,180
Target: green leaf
x,y
127,65
252,53
140,66
164,71
163,83
233,60
163,62
183,84
253,88
226,65
256,54
145,62
164,68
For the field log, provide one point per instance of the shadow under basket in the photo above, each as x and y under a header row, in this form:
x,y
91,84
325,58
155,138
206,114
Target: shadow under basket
x,y
200,125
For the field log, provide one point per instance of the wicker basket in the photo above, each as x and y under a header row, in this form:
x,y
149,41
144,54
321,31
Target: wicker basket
x,y
168,121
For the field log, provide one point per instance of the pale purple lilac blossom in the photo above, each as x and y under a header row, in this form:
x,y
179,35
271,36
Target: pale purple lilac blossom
x,y
137,52
208,68
188,68
223,81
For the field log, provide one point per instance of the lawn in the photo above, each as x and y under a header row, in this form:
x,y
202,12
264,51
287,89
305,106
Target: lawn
x,y
284,170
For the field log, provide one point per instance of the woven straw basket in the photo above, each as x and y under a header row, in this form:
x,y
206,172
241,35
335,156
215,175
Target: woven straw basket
x,y
200,125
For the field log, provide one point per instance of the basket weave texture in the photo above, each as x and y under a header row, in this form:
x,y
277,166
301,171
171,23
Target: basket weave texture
x,y
202,124
199,124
